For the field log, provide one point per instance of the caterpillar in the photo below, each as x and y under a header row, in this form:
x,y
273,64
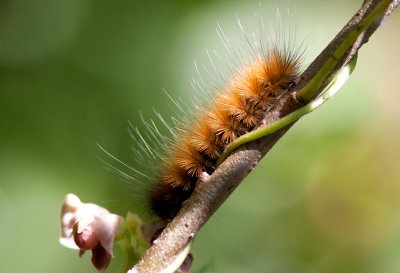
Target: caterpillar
x,y
198,141
234,111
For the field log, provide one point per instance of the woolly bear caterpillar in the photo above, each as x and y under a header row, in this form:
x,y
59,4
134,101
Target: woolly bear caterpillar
x,y
232,112
199,140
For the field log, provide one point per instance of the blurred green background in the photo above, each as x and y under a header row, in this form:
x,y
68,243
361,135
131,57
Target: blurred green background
x,y
72,72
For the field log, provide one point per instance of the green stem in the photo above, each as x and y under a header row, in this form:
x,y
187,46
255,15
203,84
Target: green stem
x,y
308,91
337,82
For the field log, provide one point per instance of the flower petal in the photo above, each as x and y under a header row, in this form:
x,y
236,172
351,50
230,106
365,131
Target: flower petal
x,y
106,227
100,258
87,239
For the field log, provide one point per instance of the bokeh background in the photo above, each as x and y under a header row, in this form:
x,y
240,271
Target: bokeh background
x,y
72,72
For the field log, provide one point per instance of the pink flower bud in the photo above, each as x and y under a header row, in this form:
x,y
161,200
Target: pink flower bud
x,y
89,227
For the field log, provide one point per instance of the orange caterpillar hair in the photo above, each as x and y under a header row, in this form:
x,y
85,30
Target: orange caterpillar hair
x,y
234,111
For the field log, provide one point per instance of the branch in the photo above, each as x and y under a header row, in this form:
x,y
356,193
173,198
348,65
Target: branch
x,y
171,246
